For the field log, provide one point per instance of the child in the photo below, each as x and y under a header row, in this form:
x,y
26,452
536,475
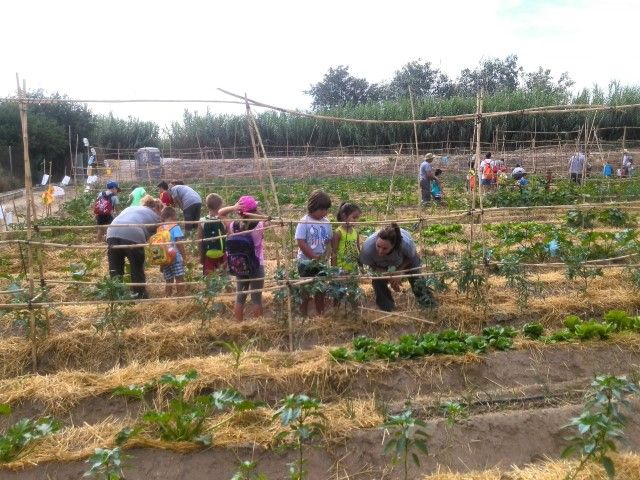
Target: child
x,y
345,244
436,186
165,197
313,234
105,207
607,170
245,254
175,270
212,255
136,195
522,182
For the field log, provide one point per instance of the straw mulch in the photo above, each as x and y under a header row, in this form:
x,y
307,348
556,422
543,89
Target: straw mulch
x,y
627,468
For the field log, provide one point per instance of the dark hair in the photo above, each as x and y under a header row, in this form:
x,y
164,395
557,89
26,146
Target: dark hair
x,y
391,233
163,185
345,209
488,155
437,172
168,212
244,225
177,182
318,200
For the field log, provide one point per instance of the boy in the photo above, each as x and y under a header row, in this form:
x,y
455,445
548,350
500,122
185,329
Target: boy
x,y
175,270
212,256
105,207
436,186
313,234
607,169
165,198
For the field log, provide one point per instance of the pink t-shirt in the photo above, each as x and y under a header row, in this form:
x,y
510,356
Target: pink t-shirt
x,y
257,234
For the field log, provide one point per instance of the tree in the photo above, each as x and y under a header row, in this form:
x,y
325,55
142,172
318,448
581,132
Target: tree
x,y
420,76
493,74
542,80
339,88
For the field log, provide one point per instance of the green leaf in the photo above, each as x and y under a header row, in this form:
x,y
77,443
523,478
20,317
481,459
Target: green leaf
x,y
416,460
5,409
609,467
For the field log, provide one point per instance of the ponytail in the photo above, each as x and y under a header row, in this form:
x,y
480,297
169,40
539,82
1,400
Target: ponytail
x,y
345,209
392,234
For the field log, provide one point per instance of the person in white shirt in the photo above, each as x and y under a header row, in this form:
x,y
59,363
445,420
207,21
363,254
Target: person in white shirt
x,y
518,172
627,163
576,163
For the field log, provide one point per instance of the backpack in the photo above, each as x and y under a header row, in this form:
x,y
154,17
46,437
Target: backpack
x,y
213,248
103,205
241,256
487,173
157,253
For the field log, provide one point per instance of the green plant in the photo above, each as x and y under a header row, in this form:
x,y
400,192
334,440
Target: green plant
x,y
106,463
304,421
237,350
614,217
533,330
517,280
17,439
469,280
575,258
115,317
601,423
247,471
454,412
406,437
580,218
618,320
206,298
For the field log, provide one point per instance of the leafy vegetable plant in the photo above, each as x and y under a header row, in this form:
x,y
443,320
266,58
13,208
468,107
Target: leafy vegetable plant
x,y
17,439
407,438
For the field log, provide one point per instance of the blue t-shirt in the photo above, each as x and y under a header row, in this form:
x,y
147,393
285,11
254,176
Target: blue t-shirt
x,y
317,235
176,234
523,182
607,170
435,190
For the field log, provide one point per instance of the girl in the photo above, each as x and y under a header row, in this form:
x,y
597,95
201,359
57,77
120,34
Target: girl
x,y
245,254
345,243
313,234
175,270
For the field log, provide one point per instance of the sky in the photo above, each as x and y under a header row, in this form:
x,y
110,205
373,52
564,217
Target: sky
x,y
274,50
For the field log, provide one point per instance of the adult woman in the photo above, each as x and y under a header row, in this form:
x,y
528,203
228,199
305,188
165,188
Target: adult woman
x,y
134,233
189,201
392,250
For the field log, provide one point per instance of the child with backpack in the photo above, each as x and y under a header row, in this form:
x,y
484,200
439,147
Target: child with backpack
x,y
105,207
313,234
245,254
171,258
212,249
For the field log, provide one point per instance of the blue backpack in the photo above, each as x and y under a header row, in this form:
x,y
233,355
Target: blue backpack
x,y
241,256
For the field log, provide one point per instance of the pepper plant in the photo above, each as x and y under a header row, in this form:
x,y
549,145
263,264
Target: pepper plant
x,y
206,299
407,438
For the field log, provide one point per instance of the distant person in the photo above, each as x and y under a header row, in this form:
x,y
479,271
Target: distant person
x,y
143,222
392,250
136,195
523,181
486,171
576,164
426,177
105,208
607,169
173,272
189,201
518,172
436,186
627,163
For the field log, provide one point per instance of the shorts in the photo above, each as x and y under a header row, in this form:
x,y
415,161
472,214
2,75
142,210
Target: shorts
x,y
485,182
192,214
176,269
104,219
210,265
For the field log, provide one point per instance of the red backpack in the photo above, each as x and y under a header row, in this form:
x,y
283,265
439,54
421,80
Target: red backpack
x,y
103,205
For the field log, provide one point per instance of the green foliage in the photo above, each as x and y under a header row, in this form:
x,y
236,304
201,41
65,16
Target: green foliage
x,y
437,233
21,435
580,218
406,437
247,471
206,298
601,423
454,412
516,276
470,280
106,463
237,350
304,420
116,316
618,320
533,330
614,217
575,258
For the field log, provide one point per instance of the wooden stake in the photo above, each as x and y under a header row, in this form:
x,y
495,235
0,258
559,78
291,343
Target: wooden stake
x,y
478,139
415,136
28,184
256,156
393,174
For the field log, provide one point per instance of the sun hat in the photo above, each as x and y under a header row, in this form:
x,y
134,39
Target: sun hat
x,y
247,204
113,184
429,156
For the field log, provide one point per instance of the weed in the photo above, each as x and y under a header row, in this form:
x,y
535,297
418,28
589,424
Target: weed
x,y
247,471
454,412
21,435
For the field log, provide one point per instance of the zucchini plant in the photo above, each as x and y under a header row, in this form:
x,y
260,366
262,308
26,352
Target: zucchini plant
x,y
19,437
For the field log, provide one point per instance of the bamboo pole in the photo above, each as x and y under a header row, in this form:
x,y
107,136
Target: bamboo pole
x,y
256,156
393,174
415,136
479,138
28,183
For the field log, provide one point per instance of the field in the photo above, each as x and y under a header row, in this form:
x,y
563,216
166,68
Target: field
x,y
496,369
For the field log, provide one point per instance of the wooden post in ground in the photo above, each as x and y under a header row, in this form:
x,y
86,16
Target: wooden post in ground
x,y
415,136
533,145
478,140
393,174
28,184
256,157
624,137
